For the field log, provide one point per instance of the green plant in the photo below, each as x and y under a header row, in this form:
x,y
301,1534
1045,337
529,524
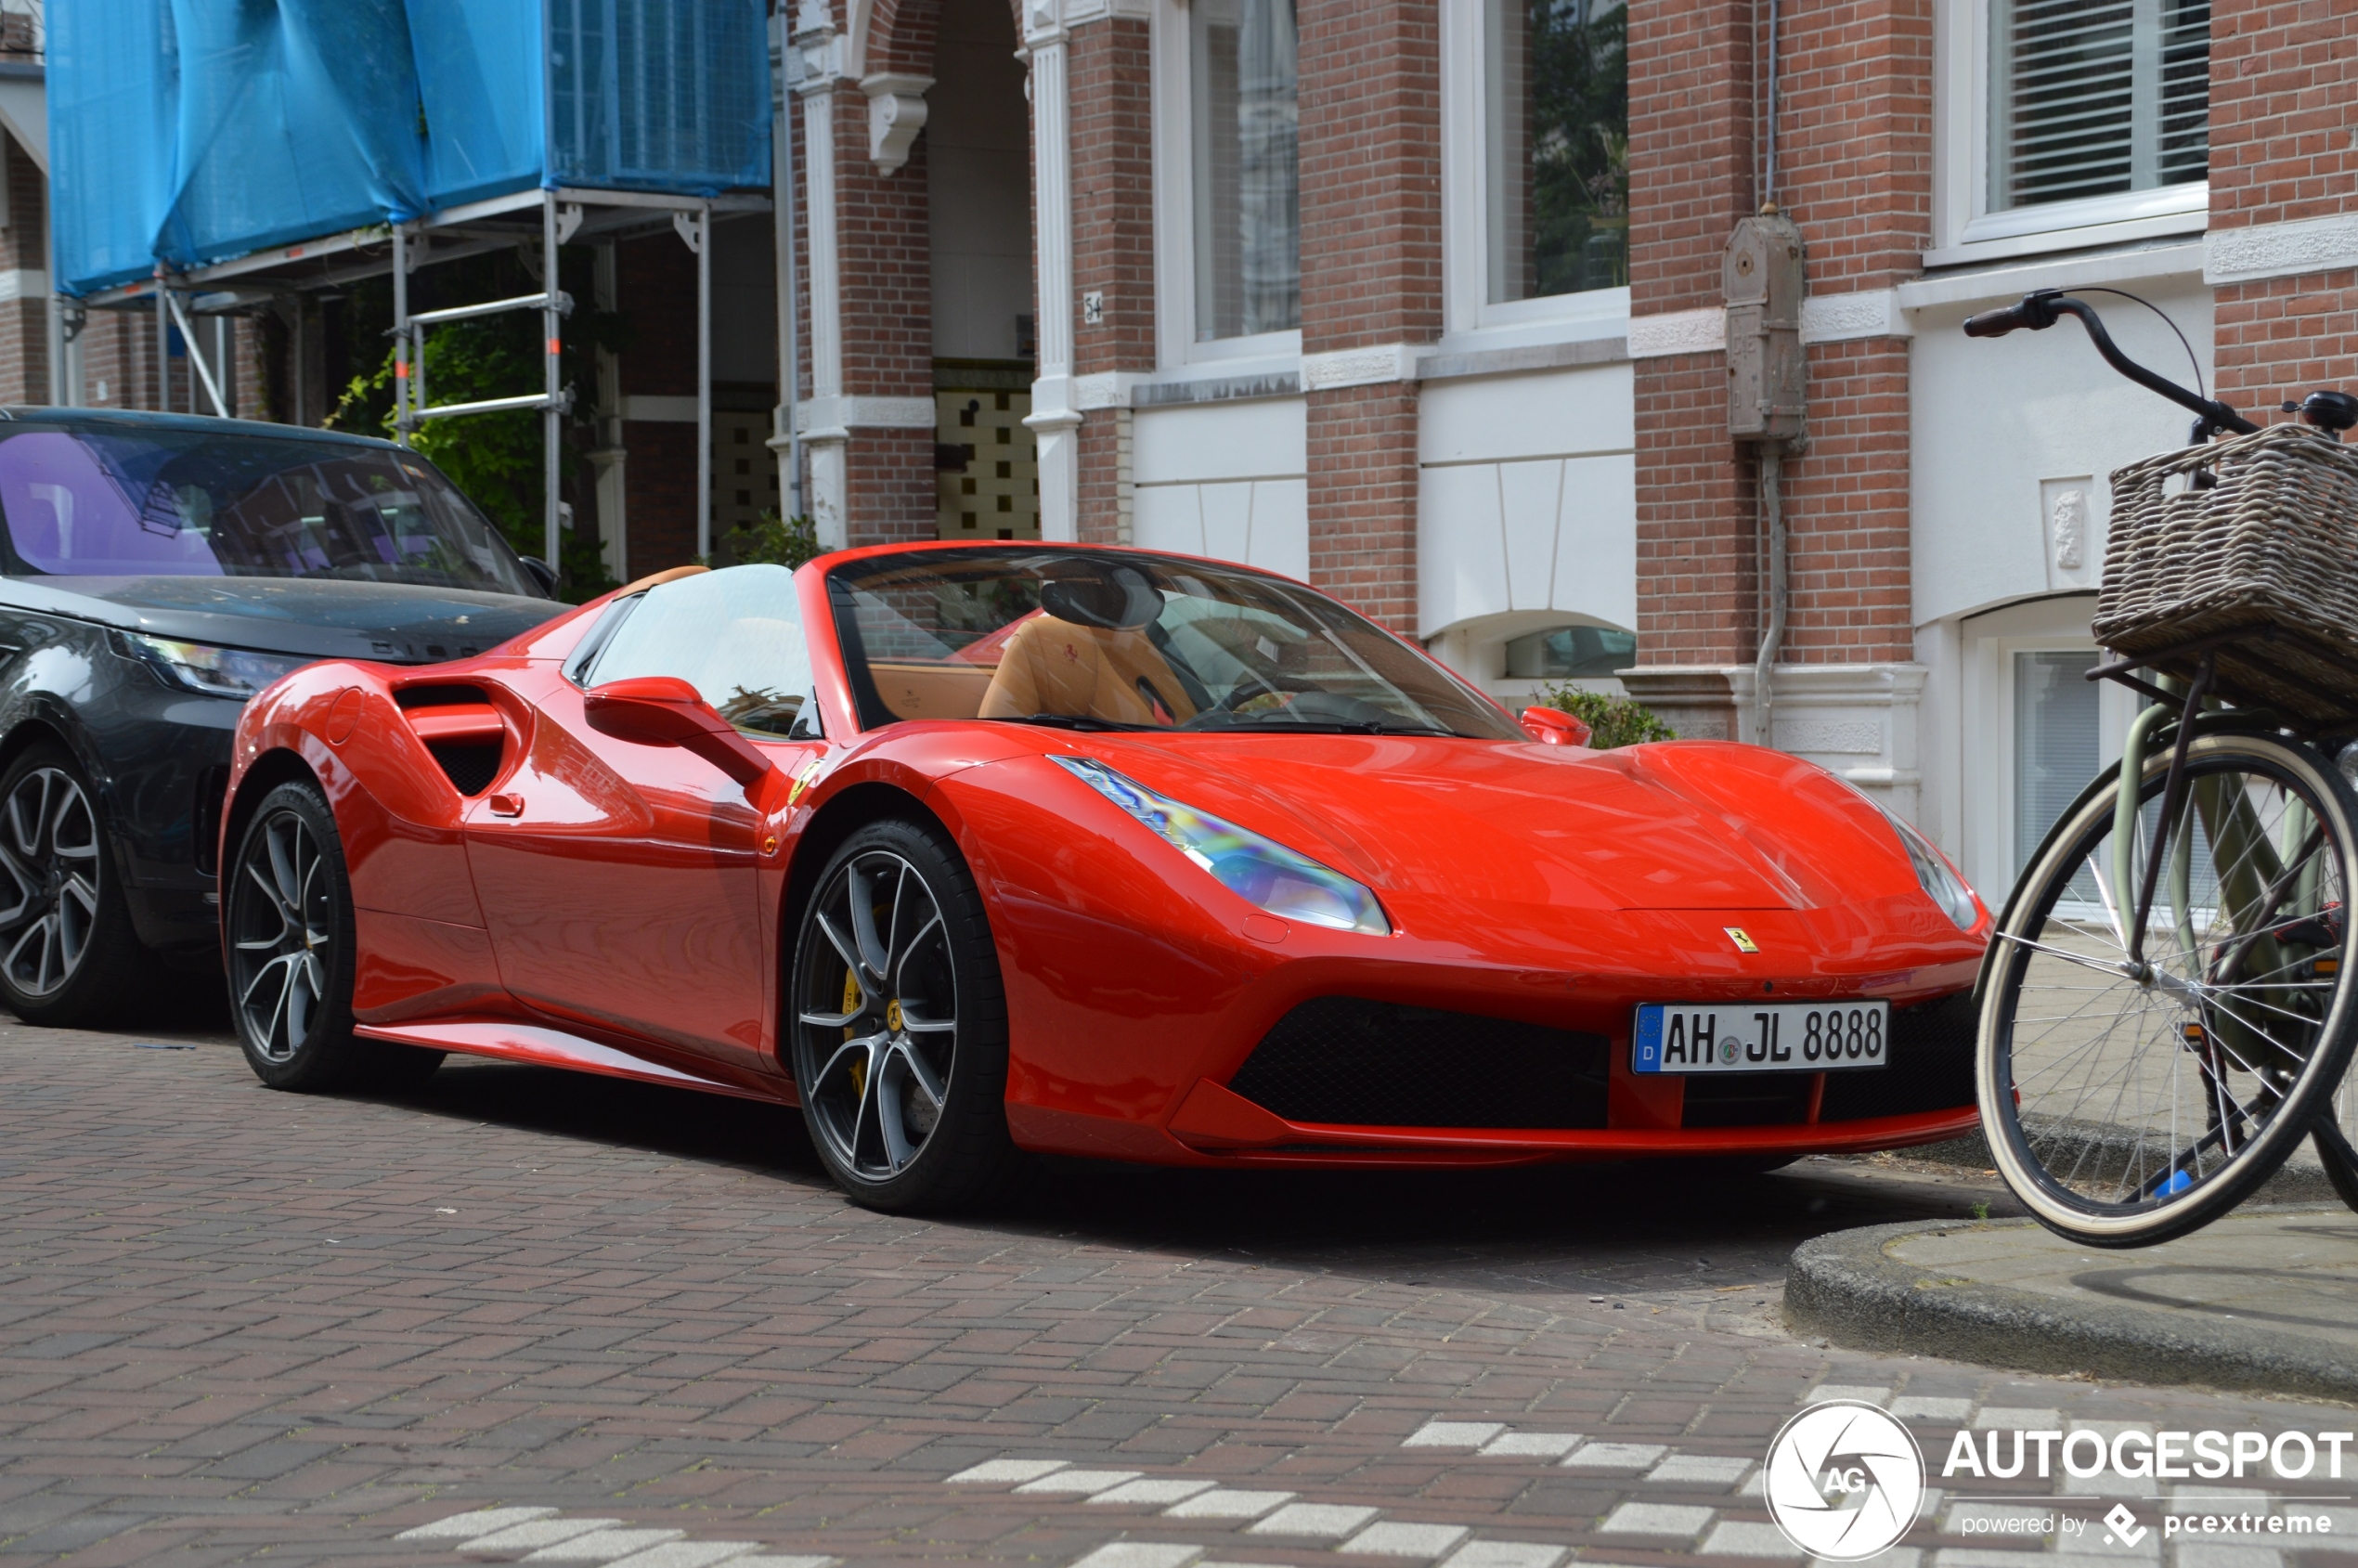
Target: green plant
x,y
771,540
1613,721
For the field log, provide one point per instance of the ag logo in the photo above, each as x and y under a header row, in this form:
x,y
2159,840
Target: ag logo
x,y
1844,1481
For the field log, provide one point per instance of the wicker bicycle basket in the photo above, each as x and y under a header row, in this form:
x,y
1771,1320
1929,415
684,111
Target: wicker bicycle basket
x,y
2270,552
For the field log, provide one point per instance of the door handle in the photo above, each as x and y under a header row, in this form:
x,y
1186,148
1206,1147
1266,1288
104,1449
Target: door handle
x,y
507,805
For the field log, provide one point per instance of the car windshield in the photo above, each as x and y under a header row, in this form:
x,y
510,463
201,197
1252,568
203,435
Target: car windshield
x,y
120,501
1095,640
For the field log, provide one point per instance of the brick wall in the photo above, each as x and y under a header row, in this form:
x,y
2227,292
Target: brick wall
x,y
1854,171
1370,102
1113,238
887,267
1691,174
24,323
2282,80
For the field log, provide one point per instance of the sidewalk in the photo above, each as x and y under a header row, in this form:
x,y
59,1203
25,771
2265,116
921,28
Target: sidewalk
x,y
2265,1300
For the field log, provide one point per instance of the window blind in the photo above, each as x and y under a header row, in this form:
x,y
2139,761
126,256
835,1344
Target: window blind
x,y
2095,98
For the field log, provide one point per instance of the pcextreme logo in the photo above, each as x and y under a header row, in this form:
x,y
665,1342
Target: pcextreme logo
x,y
1844,1481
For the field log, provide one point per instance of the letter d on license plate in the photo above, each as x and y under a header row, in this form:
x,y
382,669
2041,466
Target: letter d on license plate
x,y
1771,1037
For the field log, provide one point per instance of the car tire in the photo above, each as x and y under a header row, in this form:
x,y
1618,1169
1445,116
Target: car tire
x,y
290,939
898,1025
68,956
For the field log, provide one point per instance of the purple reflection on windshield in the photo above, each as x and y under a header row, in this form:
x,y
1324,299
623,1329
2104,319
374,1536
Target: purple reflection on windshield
x,y
67,515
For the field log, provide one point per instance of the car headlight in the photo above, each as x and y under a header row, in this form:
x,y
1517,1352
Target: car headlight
x,y
1258,870
1935,874
217,672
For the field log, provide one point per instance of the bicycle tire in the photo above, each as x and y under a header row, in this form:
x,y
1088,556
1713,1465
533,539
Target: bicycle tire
x,y
2341,1160
2250,1028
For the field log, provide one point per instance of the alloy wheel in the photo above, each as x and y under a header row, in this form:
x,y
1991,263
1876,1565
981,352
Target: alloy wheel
x,y
283,927
49,861
878,1016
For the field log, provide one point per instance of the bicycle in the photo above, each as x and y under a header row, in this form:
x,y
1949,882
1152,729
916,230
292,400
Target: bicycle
x,y
2168,1006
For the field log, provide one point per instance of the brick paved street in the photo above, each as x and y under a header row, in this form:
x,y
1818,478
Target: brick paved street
x,y
239,1325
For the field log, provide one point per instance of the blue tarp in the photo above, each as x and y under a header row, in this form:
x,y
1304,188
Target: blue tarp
x,y
193,131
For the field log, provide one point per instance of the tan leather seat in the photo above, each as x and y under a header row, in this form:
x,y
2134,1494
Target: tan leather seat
x,y
1051,666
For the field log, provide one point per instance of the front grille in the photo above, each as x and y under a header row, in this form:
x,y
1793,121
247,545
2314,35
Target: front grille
x,y
1931,1066
1746,1099
1345,1059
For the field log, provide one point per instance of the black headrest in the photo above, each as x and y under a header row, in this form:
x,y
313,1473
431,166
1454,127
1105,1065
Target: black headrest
x,y
1118,598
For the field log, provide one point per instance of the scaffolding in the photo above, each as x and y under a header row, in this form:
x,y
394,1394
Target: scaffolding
x,y
211,162
541,220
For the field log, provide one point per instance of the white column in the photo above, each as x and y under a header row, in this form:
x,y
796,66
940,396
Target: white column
x,y
821,420
1056,417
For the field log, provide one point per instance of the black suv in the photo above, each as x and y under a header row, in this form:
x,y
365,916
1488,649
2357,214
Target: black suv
x,y
155,572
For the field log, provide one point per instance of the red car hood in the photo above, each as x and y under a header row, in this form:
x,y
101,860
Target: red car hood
x,y
1683,825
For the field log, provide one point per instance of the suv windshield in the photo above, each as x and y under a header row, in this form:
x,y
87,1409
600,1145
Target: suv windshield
x,y
1097,640
117,502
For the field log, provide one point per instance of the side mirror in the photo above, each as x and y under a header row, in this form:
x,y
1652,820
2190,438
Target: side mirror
x,y
665,710
541,573
1553,726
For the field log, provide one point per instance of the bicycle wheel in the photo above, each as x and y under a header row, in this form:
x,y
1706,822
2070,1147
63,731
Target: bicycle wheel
x,y
2132,1098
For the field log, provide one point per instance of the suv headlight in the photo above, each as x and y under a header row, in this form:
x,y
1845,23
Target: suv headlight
x,y
217,672
1258,870
1935,874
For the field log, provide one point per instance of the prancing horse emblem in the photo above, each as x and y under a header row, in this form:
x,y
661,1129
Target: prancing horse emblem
x,y
1743,943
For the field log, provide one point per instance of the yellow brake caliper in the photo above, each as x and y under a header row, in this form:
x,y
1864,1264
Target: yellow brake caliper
x,y
859,1065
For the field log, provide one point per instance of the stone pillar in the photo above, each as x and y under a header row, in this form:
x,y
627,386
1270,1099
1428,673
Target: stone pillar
x,y
1055,415
1370,105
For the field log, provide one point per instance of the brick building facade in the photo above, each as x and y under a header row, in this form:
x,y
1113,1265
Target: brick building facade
x,y
1419,300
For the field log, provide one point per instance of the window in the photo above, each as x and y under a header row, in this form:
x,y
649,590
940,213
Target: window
x,y
734,635
2057,736
2097,98
1569,653
1247,177
1557,140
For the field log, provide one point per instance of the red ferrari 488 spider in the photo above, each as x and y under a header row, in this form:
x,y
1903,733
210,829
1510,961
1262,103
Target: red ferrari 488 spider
x,y
968,850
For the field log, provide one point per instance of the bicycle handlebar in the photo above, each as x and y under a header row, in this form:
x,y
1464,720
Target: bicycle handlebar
x,y
2041,310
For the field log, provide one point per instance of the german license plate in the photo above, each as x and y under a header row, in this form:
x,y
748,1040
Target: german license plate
x,y
1769,1037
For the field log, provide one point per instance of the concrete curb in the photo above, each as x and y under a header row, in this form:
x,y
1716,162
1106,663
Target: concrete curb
x,y
1847,1287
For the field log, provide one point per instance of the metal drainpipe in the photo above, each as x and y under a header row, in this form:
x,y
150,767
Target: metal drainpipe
x,y
1772,507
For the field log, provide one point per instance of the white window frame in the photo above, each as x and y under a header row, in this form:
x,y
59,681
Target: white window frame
x,y
1964,229
1172,97
1467,310
2052,624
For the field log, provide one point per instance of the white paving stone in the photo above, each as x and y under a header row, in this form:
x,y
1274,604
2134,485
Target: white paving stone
x,y
1674,1520
2016,1418
1504,1554
482,1522
2222,1499
1540,1445
1744,1537
785,1562
1930,1408
537,1533
1140,1554
1006,1472
690,1554
1395,1538
1081,1481
603,1545
1325,1521
1865,1393
1706,1470
1615,1456
1160,1490
1452,1435
1991,1557
1222,1503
